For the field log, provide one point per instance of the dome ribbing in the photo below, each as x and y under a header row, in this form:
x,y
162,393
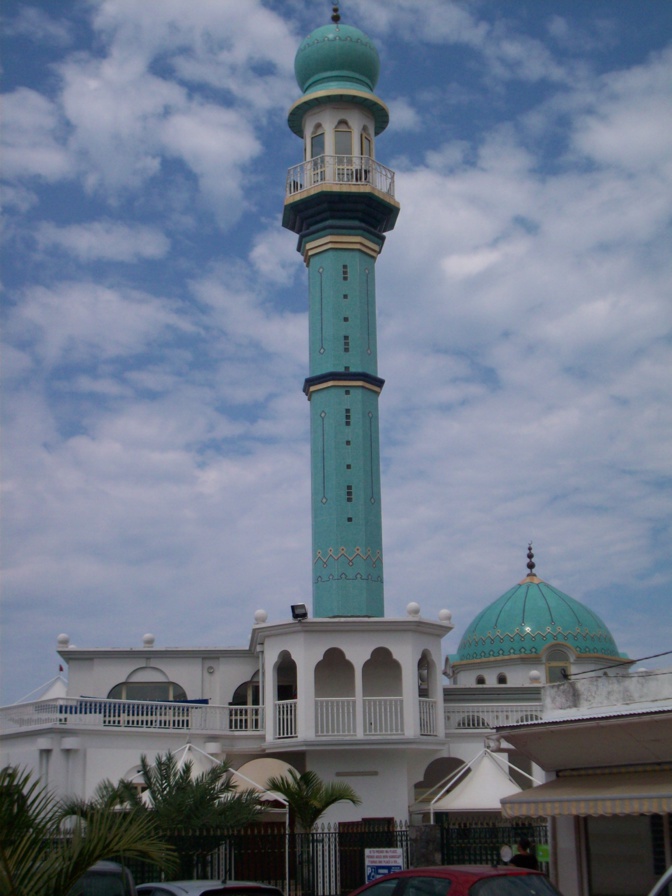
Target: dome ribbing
x,y
529,617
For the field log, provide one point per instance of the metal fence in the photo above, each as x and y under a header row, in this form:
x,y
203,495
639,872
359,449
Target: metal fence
x,y
328,861
479,841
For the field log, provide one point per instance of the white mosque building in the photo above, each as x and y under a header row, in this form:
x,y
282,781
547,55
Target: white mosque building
x,y
342,689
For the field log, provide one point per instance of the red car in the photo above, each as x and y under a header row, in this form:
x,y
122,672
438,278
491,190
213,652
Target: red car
x,y
461,880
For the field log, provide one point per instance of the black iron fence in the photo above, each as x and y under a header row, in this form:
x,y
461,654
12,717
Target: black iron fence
x,y
329,861
478,841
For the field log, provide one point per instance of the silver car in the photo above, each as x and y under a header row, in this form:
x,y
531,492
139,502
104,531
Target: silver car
x,y
208,888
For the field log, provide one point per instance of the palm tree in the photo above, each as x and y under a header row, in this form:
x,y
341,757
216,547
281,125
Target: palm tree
x,y
192,812
46,844
309,797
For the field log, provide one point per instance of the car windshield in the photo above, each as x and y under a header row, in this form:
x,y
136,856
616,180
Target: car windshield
x,y
514,885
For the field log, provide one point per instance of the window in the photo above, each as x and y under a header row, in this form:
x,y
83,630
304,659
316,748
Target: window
x,y
147,690
480,679
348,494
384,888
557,666
427,886
348,466
348,417
317,143
346,320
346,344
348,442
345,295
347,391
367,143
343,139
346,275
501,678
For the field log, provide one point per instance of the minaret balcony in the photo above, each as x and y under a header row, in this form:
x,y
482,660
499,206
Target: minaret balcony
x,y
358,172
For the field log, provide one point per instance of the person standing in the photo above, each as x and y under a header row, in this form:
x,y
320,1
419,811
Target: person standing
x,y
524,858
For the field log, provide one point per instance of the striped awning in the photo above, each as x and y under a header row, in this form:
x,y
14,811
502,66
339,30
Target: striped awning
x,y
607,793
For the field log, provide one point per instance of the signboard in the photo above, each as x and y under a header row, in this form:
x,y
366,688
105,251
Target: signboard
x,y
379,862
543,852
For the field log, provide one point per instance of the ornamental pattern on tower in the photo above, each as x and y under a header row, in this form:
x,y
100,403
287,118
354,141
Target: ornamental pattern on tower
x,y
340,203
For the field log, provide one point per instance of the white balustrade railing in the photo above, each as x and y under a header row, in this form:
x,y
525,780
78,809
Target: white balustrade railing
x,y
335,716
354,170
427,716
488,715
92,713
383,715
285,718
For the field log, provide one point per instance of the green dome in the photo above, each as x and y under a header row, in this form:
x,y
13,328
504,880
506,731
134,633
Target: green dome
x,y
337,56
529,617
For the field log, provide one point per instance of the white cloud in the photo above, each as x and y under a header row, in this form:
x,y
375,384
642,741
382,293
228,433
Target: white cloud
x,y
82,322
108,240
31,137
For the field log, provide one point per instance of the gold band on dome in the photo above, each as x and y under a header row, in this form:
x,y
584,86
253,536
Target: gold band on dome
x,y
336,241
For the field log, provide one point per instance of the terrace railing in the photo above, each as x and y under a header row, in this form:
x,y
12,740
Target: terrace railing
x,y
93,713
285,718
383,715
335,716
352,170
427,716
460,716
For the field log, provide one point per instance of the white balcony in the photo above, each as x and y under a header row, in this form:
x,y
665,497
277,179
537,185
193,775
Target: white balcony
x,y
285,719
427,716
335,717
461,716
358,171
91,713
383,716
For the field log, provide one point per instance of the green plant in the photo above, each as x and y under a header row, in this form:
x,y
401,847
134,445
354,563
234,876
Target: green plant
x,y
46,844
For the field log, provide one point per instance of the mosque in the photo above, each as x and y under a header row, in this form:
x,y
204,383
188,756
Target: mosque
x,y
342,689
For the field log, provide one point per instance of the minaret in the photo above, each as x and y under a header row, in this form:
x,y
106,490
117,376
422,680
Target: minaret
x,y
340,201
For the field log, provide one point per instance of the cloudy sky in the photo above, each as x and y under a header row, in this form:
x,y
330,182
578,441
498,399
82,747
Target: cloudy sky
x,y
156,441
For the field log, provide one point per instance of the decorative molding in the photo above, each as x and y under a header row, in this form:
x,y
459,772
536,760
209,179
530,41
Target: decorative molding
x,y
343,379
337,241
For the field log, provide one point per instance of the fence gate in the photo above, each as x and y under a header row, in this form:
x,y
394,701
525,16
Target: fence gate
x,y
478,840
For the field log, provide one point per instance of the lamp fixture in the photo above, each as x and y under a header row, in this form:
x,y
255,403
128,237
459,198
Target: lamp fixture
x,y
299,611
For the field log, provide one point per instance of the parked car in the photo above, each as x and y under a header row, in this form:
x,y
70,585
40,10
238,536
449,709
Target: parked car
x,y
461,880
208,888
664,885
105,879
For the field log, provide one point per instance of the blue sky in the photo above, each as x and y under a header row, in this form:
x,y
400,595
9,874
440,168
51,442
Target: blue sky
x,y
155,454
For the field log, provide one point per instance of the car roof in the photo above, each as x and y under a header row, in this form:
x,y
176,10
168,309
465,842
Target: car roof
x,y
466,870
195,886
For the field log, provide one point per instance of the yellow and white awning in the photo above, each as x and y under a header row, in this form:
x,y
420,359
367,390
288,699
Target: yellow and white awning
x,y
623,792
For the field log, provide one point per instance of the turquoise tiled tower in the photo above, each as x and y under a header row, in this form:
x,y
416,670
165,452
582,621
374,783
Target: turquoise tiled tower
x,y
340,201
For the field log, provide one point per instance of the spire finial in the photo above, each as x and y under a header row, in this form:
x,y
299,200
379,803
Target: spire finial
x,y
335,15
530,559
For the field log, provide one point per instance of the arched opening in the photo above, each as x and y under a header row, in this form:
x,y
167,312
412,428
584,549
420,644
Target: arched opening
x,y
382,693
334,694
317,150
285,686
334,675
343,138
502,679
558,665
480,679
317,142
148,684
438,771
247,693
472,721
367,143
